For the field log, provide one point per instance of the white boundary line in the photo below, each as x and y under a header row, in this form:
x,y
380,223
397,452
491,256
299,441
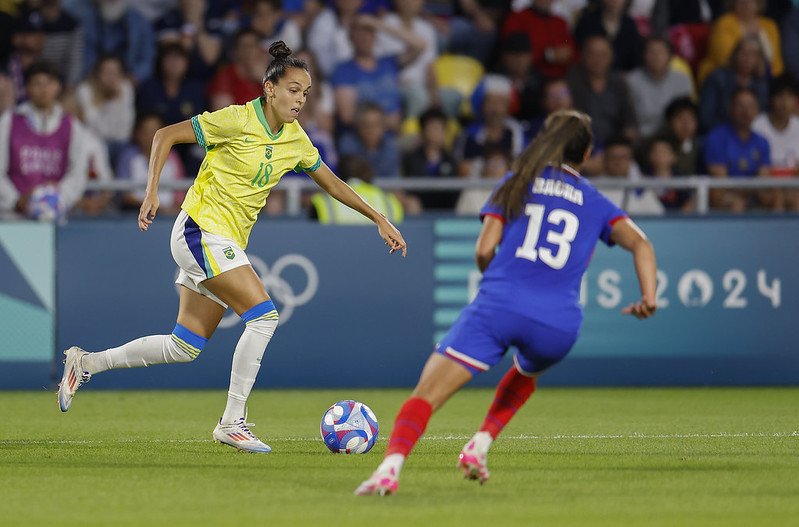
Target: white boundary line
x,y
522,437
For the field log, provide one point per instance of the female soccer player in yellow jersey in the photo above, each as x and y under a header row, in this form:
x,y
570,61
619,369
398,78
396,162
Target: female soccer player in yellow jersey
x,y
248,148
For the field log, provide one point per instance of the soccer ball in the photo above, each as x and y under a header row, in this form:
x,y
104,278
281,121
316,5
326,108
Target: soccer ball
x,y
45,204
349,427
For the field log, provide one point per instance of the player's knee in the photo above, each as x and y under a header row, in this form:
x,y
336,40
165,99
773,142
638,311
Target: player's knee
x,y
184,345
262,318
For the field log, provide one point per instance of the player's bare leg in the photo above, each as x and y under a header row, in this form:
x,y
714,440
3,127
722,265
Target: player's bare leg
x,y
242,290
440,379
198,317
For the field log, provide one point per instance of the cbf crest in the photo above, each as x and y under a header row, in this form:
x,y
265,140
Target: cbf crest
x,y
229,254
268,152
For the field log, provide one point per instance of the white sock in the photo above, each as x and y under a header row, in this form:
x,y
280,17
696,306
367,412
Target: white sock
x,y
155,349
392,462
246,363
482,442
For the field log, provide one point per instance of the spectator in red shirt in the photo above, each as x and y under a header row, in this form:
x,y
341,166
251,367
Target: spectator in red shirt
x,y
554,50
240,81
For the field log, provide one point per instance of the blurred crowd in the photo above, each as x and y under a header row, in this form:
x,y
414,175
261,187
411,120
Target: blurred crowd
x,y
403,89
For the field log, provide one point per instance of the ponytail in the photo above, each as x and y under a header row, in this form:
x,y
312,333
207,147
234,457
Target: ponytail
x,y
565,136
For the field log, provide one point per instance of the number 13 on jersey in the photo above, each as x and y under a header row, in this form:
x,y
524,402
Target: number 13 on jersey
x,y
529,249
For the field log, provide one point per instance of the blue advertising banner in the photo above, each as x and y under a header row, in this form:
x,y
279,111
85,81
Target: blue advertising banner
x,y
727,298
351,315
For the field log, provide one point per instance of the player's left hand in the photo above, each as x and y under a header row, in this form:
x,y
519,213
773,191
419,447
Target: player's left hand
x,y
641,309
147,211
392,237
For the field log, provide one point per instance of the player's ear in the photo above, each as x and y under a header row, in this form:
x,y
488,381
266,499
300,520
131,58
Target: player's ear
x,y
269,89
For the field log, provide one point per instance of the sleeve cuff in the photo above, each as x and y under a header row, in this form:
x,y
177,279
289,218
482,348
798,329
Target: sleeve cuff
x,y
198,131
615,220
494,215
312,168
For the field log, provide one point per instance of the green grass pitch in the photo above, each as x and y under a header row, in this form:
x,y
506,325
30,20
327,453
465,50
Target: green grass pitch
x,y
594,457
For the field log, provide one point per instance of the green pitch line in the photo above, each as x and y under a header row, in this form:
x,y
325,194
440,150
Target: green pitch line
x,y
573,457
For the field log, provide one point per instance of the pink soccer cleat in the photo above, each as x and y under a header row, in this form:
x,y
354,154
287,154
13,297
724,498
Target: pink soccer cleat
x,y
473,461
380,484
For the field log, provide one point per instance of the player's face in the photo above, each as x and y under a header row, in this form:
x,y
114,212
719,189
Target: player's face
x,y
288,96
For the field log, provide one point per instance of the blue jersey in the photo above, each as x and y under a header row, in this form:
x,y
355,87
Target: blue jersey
x,y
545,251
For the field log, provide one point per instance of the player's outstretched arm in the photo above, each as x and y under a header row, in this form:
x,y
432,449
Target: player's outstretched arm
x,y
628,235
164,140
339,190
486,248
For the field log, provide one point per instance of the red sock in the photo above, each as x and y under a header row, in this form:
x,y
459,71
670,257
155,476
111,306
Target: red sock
x,y
512,392
409,426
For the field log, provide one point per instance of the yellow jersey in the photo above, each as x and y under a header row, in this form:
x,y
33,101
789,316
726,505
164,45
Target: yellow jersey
x,y
243,161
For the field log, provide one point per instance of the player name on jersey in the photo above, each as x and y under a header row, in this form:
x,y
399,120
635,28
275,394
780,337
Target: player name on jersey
x,y
558,189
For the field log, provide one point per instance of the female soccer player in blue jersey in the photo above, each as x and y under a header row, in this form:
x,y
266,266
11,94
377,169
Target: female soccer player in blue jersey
x,y
540,228
248,149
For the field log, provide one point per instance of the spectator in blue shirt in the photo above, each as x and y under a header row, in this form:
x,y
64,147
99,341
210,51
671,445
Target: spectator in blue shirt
x,y
110,27
734,150
372,141
367,78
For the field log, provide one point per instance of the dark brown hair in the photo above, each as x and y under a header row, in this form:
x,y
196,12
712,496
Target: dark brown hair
x,y
282,62
565,137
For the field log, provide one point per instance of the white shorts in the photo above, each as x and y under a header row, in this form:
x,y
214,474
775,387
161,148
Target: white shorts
x,y
201,255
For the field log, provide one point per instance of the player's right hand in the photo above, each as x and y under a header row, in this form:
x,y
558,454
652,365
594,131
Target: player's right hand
x,y
147,211
392,237
641,309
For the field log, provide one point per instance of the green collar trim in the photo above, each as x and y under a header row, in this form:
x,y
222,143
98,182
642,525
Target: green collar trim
x,y
259,111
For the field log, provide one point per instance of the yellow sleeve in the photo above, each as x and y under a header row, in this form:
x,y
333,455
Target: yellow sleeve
x,y
214,128
311,160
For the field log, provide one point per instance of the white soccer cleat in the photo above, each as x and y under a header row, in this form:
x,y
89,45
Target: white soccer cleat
x,y
380,484
73,377
238,435
473,460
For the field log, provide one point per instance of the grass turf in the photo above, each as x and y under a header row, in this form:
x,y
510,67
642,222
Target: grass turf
x,y
599,457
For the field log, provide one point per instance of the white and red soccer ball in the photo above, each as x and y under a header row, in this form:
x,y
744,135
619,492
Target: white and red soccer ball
x,y
349,427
